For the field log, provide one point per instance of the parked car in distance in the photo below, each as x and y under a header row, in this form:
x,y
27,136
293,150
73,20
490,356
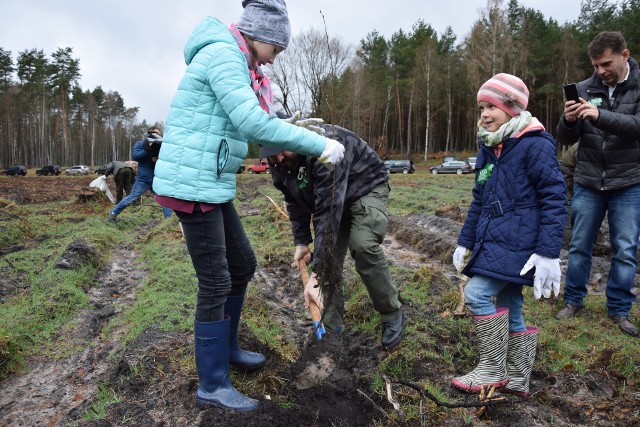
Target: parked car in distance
x,y
101,170
400,166
263,166
454,166
77,170
49,170
17,170
241,169
472,162
449,159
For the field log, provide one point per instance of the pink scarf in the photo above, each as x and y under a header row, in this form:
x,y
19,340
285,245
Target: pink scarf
x,y
259,81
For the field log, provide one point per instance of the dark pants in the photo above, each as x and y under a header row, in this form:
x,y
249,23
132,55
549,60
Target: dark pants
x,y
221,255
362,230
124,181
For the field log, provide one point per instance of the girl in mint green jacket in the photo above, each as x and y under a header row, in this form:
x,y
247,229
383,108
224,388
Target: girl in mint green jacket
x,y
223,102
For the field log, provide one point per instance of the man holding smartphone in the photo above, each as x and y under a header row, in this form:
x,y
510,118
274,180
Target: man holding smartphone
x,y
606,120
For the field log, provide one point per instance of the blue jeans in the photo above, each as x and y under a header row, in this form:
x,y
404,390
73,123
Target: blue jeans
x,y
480,290
221,255
588,208
140,186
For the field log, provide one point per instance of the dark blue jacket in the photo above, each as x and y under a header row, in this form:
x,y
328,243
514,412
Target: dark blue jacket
x,y
146,165
518,208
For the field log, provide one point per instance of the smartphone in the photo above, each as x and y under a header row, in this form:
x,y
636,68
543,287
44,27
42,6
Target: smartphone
x,y
571,92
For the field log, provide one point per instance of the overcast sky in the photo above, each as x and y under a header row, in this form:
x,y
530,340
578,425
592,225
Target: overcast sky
x,y
135,46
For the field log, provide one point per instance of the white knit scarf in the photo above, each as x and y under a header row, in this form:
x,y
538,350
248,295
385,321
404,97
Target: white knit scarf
x,y
512,128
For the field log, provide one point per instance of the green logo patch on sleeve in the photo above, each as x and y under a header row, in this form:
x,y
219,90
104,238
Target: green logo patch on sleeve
x,y
485,173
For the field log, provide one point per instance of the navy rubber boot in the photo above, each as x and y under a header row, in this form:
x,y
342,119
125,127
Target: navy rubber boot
x,y
212,362
244,360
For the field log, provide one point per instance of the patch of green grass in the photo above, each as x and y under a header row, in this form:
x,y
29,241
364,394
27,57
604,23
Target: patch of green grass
x,y
423,192
15,224
97,410
269,331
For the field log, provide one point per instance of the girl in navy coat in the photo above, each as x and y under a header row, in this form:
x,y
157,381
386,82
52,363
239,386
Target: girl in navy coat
x,y
512,236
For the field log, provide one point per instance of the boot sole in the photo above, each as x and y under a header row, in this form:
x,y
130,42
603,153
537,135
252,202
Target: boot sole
x,y
204,404
252,368
476,388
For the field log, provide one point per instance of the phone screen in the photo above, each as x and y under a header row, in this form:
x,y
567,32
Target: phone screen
x,y
571,92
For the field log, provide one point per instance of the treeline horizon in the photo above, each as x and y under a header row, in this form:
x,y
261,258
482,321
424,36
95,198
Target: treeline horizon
x,y
411,95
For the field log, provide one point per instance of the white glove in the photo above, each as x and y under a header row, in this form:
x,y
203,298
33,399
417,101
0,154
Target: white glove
x,y
312,292
332,154
546,277
311,124
461,257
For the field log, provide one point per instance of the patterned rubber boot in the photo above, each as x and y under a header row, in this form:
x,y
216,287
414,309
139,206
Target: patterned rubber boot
x,y
520,358
493,337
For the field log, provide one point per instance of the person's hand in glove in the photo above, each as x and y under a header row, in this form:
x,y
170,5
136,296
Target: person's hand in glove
x,y
461,257
312,292
312,124
332,154
546,277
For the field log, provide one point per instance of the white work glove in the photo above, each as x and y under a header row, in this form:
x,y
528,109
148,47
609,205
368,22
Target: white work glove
x,y
461,257
546,277
332,154
312,292
311,124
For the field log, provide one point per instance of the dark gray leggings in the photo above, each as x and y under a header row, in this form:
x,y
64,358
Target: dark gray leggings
x,y
221,255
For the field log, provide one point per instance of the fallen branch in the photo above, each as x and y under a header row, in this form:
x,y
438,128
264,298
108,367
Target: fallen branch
x,y
373,403
391,400
278,208
485,401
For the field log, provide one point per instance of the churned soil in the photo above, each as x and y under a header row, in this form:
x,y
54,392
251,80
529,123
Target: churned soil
x,y
327,383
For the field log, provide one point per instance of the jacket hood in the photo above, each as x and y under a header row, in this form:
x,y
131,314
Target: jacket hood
x,y
209,30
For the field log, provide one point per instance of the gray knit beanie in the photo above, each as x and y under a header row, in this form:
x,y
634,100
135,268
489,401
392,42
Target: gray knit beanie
x,y
266,21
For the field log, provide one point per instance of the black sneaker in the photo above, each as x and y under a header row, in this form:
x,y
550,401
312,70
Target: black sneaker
x,y
112,217
393,331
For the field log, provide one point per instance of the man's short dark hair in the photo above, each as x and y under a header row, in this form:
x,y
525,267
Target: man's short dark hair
x,y
613,40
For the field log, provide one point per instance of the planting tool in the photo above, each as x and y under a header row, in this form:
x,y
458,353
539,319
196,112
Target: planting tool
x,y
459,310
318,327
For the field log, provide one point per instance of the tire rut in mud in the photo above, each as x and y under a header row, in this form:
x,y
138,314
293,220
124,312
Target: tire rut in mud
x,y
52,392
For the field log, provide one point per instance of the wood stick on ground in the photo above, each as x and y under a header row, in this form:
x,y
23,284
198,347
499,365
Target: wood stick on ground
x,y
278,208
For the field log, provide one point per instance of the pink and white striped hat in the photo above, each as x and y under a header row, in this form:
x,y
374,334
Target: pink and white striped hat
x,y
505,91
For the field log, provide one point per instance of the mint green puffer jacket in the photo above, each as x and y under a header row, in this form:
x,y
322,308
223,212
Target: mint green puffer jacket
x,y
213,116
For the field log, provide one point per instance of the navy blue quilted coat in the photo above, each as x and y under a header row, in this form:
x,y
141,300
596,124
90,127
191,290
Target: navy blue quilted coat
x,y
518,208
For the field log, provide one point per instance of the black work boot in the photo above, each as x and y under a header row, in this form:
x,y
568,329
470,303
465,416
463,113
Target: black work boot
x,y
393,331
625,325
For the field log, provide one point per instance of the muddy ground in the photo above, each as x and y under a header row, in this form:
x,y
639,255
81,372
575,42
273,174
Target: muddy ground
x,y
326,385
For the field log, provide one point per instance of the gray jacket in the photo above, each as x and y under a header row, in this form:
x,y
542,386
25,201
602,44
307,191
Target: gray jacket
x,y
114,167
609,151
